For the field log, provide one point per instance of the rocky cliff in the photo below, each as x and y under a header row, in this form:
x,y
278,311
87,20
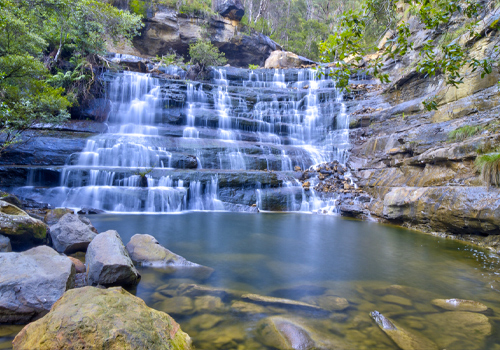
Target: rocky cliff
x,y
166,29
408,159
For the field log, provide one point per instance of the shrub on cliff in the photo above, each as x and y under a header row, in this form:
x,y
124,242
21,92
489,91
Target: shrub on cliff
x,y
489,167
204,54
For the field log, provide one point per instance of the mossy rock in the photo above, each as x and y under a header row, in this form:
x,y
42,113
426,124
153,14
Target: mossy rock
x,y
93,318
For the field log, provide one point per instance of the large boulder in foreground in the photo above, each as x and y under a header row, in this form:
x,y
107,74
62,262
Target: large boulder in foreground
x,y
93,318
71,234
286,59
22,229
108,262
31,282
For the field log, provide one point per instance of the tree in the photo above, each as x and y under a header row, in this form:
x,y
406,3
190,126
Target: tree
x,y
204,54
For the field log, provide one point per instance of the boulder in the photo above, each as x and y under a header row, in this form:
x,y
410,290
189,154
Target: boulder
x,y
71,234
108,262
5,246
31,282
286,59
90,211
232,9
146,250
22,229
53,215
460,305
93,318
404,339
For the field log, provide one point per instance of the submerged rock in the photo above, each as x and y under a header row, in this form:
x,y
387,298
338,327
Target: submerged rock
x,y
22,229
108,262
328,302
280,302
404,339
31,282
460,329
460,305
71,234
5,246
281,333
247,308
93,318
194,290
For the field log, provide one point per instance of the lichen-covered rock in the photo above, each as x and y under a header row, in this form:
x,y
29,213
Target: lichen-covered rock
x,y
404,339
93,318
71,234
31,282
108,262
22,229
53,215
10,198
5,246
460,305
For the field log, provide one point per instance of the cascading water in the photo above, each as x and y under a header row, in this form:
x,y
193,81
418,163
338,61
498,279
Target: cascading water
x,y
240,137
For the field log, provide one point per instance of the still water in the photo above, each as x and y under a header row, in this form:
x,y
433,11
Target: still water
x,y
318,260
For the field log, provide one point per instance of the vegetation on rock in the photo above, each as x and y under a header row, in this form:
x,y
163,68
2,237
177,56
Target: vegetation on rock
x,y
489,166
464,132
35,37
204,54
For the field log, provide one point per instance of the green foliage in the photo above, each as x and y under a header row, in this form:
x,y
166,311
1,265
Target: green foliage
x,y
204,54
29,29
489,167
139,7
190,7
253,66
464,132
171,59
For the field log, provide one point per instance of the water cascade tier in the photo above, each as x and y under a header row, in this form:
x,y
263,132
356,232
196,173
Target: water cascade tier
x,y
234,142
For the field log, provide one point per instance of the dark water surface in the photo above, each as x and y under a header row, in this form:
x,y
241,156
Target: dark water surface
x,y
308,257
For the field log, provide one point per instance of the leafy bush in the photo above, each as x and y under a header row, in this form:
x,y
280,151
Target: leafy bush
x,y
464,132
253,66
204,54
489,167
191,7
171,59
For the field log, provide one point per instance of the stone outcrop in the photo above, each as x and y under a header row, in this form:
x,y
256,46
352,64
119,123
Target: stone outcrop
x,y
71,234
286,59
31,282
102,319
232,9
108,263
53,215
166,30
22,229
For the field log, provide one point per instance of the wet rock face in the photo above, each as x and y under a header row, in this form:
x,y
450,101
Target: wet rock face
x,y
286,59
31,282
71,234
127,324
166,30
232,9
108,262
22,229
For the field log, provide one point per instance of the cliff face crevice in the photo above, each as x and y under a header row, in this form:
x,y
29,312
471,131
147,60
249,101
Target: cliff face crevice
x,y
406,158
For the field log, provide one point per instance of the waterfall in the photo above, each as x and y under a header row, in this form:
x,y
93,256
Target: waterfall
x,y
174,145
